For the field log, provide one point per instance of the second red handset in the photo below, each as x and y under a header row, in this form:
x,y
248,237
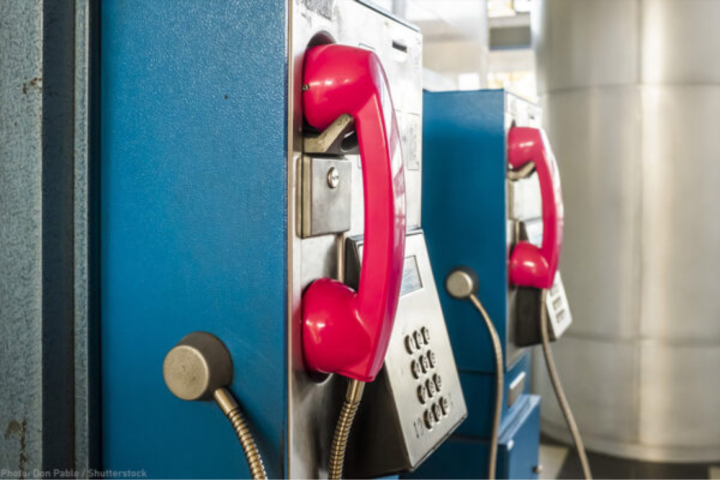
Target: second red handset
x,y
533,266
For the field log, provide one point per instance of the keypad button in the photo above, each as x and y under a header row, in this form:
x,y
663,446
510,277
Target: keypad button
x,y
429,419
437,412
444,405
422,394
438,382
410,344
415,368
424,363
430,387
418,338
425,335
431,358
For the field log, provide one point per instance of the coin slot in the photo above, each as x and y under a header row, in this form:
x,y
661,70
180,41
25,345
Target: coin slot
x,y
400,46
400,50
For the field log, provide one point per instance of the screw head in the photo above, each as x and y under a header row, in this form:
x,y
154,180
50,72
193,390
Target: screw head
x,y
333,178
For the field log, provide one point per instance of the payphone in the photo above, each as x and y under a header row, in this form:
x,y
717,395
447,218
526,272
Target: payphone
x,y
267,200
494,221
536,210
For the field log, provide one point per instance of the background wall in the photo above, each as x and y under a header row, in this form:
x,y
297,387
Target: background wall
x,y
631,91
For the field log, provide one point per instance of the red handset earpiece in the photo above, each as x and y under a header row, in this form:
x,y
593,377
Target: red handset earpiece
x,y
531,266
344,331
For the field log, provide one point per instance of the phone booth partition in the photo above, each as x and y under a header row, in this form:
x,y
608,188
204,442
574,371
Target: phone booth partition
x,y
485,209
261,239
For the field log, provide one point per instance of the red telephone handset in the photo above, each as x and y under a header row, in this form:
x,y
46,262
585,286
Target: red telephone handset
x,y
344,331
531,266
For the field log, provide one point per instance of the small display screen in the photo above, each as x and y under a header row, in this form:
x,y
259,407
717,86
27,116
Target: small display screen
x,y
411,281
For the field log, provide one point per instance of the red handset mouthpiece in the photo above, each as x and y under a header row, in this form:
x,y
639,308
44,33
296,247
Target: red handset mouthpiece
x,y
531,266
344,331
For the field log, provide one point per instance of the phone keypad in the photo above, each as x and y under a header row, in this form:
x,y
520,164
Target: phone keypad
x,y
423,366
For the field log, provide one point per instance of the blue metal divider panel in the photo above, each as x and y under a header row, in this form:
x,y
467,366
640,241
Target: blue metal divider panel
x,y
464,213
194,226
465,221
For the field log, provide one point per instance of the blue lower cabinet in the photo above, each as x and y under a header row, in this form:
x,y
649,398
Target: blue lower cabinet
x,y
519,449
479,392
194,229
466,457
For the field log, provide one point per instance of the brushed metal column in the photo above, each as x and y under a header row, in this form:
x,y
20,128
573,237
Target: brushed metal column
x,y
631,95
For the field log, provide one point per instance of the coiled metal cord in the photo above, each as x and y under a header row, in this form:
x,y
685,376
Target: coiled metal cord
x,y
499,385
559,393
343,427
232,410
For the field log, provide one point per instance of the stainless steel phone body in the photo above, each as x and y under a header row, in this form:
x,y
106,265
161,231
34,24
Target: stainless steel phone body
x,y
316,242
416,401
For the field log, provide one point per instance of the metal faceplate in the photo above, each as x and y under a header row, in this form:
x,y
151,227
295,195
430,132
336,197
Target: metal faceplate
x,y
417,400
314,403
523,201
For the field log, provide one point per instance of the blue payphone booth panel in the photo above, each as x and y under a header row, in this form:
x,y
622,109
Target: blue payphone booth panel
x,y
206,178
193,226
466,218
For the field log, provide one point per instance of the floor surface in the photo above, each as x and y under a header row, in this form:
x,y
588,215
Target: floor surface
x,y
561,462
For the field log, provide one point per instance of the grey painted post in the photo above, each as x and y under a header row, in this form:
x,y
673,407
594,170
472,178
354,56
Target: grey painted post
x,y
46,307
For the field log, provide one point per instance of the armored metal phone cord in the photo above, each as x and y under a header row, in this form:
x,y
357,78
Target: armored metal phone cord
x,y
232,411
499,385
559,393
343,427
